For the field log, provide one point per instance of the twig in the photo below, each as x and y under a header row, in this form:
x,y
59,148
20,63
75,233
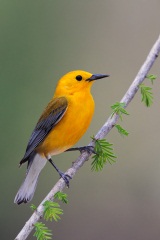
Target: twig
x,y
28,227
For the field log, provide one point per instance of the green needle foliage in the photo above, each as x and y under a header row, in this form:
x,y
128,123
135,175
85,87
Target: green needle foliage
x,y
121,130
147,95
104,154
61,196
42,232
33,207
52,211
151,77
118,108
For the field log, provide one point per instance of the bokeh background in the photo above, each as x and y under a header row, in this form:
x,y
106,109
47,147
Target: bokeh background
x,y
42,40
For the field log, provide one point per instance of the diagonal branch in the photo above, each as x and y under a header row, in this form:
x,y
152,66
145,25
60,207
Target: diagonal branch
x,y
109,124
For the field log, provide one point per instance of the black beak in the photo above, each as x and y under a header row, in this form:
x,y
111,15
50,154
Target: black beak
x,y
96,77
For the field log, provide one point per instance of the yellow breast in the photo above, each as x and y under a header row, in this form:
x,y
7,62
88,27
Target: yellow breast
x,y
71,127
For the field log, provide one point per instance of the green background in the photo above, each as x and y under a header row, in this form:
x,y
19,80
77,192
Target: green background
x,y
42,40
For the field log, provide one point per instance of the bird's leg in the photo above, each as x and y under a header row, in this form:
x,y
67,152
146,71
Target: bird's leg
x,y
65,177
89,149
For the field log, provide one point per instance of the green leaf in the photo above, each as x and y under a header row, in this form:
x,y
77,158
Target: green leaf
x,y
42,232
61,196
104,154
118,108
147,95
52,211
121,130
33,207
151,77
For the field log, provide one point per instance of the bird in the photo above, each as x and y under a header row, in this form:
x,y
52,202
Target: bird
x,y
63,122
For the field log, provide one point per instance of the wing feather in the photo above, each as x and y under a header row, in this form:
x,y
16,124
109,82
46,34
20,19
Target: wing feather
x,y
48,120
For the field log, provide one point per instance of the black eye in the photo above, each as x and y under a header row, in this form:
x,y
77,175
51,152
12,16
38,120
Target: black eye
x,y
79,77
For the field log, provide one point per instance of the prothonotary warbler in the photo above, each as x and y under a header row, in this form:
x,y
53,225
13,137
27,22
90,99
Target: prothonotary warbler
x,y
63,122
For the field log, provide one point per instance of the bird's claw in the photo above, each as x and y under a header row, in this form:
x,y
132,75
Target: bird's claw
x,y
65,177
89,149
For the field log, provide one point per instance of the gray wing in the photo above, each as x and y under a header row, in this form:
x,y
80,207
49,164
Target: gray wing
x,y
49,118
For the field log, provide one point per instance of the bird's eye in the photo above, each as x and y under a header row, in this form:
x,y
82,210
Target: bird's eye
x,y
78,77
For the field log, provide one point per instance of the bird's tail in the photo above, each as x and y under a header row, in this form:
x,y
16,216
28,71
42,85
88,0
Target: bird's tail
x,y
27,189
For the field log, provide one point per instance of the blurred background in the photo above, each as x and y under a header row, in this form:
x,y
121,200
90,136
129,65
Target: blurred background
x,y
42,40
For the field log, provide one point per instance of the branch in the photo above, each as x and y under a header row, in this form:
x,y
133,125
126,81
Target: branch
x,y
28,227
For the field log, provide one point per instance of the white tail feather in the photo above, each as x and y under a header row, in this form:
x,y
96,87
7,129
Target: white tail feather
x,y
27,189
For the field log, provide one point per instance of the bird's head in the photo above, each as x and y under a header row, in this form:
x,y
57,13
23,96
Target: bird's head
x,y
76,81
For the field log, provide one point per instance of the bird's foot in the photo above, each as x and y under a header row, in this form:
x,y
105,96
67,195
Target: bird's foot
x,y
89,149
65,177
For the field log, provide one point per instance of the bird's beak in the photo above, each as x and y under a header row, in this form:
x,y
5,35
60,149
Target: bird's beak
x,y
96,77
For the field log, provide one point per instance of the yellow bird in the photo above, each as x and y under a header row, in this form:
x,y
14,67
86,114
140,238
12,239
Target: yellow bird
x,y
63,122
